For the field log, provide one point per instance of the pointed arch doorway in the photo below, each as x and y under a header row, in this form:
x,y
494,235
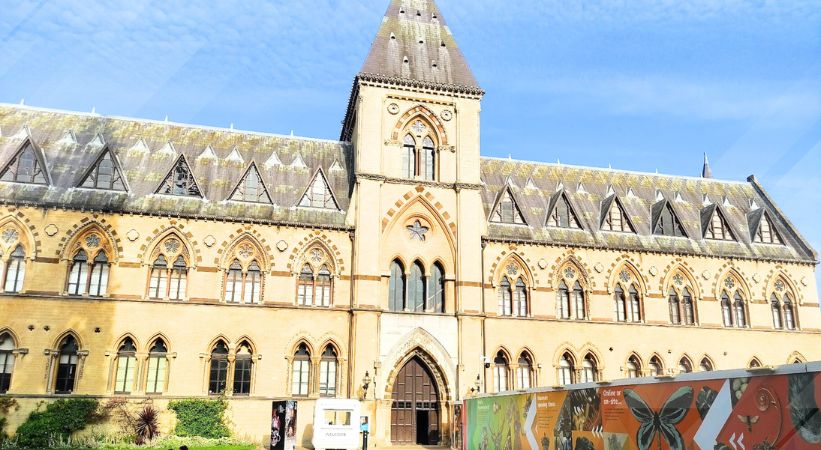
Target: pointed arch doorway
x,y
415,407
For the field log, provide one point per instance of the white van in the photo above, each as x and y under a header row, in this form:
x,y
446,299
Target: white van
x,y
336,424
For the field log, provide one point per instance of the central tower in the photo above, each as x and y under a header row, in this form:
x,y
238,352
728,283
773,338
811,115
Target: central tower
x,y
413,121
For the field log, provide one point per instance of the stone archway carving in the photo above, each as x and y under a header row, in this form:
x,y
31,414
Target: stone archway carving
x,y
419,343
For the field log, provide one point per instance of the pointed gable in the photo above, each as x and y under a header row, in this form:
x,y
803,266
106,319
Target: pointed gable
x,y
28,165
763,229
561,213
105,173
714,224
614,217
414,43
319,194
665,220
251,188
180,181
507,209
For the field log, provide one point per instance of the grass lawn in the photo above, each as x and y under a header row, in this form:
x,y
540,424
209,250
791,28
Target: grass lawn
x,y
216,447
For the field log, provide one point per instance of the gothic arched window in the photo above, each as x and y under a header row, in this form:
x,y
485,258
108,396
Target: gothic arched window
x,y
590,370
126,367
6,361
633,367
726,310
563,301
157,368
428,168
685,366
67,358
524,373
416,288
789,313
15,270
706,365
218,372
635,304
169,270
327,372
233,282
435,301
579,300
656,367
567,370
505,298
675,312
621,304
98,286
500,371
775,304
306,286
78,276
301,372
396,294
409,157
520,298
689,308
739,310
243,365
243,282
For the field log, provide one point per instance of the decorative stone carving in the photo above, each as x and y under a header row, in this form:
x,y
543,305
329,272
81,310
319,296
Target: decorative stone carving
x,y
569,273
654,271
417,231
282,246
779,286
132,235
678,279
729,283
599,268
92,241
512,269
542,264
446,115
624,276
393,108
209,241
10,235
172,245
419,128
756,278
705,275
245,251
51,230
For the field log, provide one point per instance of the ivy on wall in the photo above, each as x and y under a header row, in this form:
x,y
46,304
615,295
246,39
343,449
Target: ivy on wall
x,y
200,417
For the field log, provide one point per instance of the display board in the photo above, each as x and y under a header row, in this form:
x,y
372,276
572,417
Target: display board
x,y
283,425
739,413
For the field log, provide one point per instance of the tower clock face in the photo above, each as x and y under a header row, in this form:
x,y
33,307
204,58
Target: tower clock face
x,y
446,114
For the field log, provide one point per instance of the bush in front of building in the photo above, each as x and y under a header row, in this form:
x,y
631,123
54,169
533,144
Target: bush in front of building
x,y
6,405
55,424
200,417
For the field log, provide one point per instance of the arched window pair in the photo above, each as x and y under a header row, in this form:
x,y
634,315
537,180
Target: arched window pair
x,y
243,283
302,372
419,157
682,309
733,311
15,269
501,371
314,288
684,365
656,367
783,311
570,302
633,368
628,304
226,369
169,271
6,361
89,266
513,298
416,291
589,372
126,368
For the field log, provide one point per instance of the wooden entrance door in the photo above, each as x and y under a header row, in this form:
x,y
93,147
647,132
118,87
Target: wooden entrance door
x,y
415,408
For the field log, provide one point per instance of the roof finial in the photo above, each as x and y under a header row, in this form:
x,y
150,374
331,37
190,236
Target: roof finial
x,y
706,172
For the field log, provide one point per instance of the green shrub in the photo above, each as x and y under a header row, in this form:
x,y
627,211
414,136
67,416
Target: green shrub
x,y
200,417
56,424
6,405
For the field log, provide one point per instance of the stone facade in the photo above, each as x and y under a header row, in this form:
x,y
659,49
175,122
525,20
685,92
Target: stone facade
x,y
377,213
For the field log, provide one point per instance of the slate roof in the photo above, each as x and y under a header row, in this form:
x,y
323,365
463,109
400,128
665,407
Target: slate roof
x,y
414,43
147,150
590,192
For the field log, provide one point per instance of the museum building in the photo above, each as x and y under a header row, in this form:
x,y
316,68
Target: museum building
x,y
156,261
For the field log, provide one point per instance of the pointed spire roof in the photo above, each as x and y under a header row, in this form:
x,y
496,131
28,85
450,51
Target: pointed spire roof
x,y
414,43
706,171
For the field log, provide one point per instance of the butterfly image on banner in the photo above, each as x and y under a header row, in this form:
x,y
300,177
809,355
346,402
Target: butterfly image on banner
x,y
662,423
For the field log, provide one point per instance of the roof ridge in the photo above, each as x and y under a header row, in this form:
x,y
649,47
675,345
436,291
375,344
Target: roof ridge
x,y
606,169
170,123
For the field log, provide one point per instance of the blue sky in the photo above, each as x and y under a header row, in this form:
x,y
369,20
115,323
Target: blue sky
x,y
636,84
